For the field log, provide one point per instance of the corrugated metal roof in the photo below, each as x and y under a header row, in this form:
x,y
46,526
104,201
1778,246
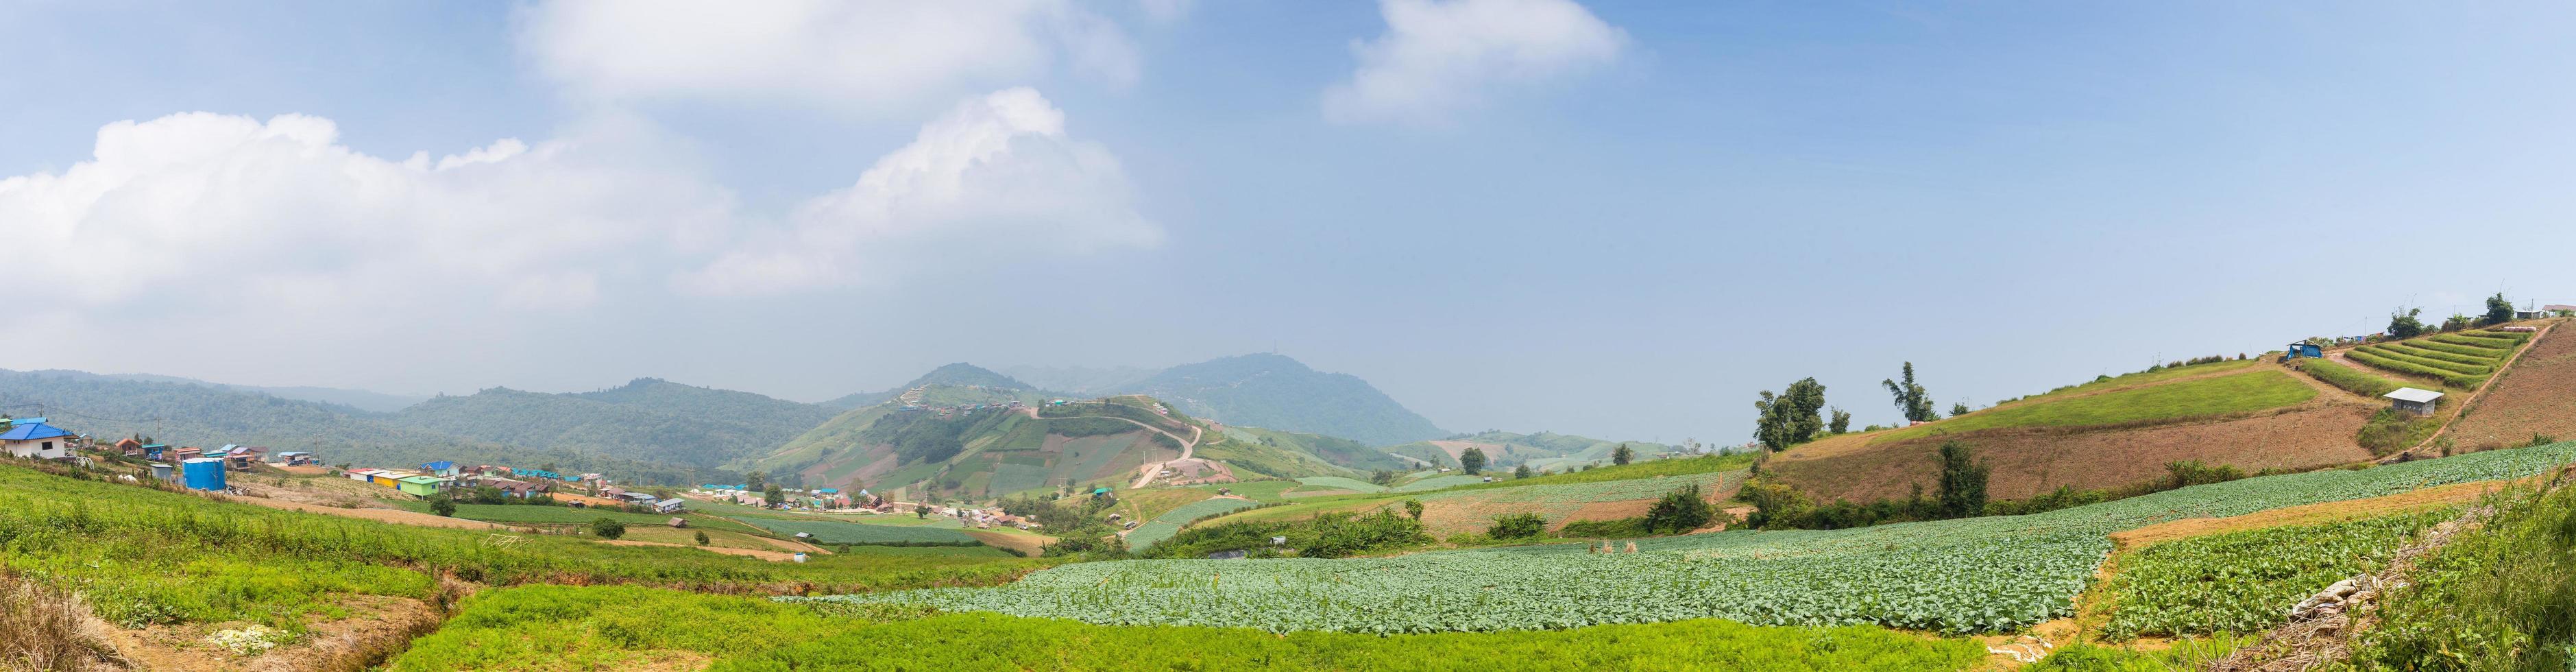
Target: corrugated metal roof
x,y
2414,395
32,431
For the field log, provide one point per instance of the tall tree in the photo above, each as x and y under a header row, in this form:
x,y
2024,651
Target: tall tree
x,y
1911,398
1792,417
1962,481
1522,471
1472,460
1841,422
2403,323
773,495
2499,310
1622,455
755,481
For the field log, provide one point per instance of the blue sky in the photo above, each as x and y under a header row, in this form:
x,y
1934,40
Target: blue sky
x,y
1614,219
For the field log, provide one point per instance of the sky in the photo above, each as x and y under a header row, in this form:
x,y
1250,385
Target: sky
x,y
1616,219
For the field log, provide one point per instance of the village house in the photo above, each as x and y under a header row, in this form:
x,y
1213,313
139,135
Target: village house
x,y
35,440
129,447
671,505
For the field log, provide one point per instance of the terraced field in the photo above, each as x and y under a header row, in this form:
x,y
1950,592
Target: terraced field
x,y
837,532
1164,526
1970,575
2462,360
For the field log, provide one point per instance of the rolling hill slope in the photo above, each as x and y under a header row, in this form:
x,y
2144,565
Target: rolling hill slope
x,y
957,379
967,452
1543,450
648,419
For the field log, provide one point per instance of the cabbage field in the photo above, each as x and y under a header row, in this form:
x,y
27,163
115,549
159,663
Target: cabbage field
x,y
1957,576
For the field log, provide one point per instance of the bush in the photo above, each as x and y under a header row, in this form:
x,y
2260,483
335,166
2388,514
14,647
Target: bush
x,y
1680,511
1623,527
702,537
1517,526
2496,598
607,528
442,505
2390,430
2187,473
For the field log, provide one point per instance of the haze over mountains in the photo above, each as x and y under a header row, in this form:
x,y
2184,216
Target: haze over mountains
x,y
661,430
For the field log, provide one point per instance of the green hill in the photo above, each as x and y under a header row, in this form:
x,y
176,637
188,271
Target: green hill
x,y
648,420
1264,390
971,453
1271,452
195,414
1542,450
957,378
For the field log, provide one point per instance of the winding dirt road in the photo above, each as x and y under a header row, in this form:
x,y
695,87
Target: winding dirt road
x,y
1145,473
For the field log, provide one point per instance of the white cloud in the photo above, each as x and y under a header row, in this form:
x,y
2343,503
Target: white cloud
x,y
1439,57
206,211
871,54
997,174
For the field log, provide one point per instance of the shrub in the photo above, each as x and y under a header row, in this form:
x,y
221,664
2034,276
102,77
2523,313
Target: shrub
x,y
1962,481
442,505
607,528
702,537
1680,511
2187,473
1623,527
1517,526
2390,430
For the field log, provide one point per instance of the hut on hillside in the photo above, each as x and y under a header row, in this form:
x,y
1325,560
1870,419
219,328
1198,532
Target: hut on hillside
x,y
2411,400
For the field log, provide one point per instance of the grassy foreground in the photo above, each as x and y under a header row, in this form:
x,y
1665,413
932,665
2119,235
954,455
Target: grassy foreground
x,y
579,628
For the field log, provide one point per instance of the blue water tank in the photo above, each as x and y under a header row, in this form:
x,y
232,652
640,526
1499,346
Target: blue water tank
x,y
204,473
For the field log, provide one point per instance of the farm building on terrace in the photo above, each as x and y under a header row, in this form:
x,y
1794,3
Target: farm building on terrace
x,y
36,441
2411,400
2305,349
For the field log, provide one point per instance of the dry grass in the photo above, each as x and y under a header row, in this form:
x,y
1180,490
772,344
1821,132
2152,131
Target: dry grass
x,y
44,630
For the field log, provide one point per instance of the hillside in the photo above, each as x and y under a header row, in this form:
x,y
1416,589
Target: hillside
x,y
1543,450
1264,390
377,402
201,415
648,419
1271,452
966,452
958,377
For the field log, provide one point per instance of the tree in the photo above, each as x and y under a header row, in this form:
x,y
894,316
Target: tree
x,y
1911,398
1522,471
1791,417
442,505
1680,511
921,511
1622,455
1382,477
755,481
1413,507
1516,526
1473,460
2402,323
1962,481
607,528
1841,422
1958,409
2456,323
702,537
2499,310
773,495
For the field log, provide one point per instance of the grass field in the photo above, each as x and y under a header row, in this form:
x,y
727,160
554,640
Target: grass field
x,y
2350,379
2237,393
1340,483
570,628
522,513
2144,378
839,532
1164,526
1968,575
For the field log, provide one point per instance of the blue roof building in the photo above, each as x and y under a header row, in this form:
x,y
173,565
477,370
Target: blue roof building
x,y
36,440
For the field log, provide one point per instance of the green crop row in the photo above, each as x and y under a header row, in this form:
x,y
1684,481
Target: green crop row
x,y
2411,349
1968,575
2350,379
2487,354
1341,483
564,628
1164,526
2447,377
1438,482
2248,581
2453,367
2479,341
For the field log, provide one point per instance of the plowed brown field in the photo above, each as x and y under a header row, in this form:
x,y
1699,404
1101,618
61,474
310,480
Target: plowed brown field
x,y
2030,461
2536,396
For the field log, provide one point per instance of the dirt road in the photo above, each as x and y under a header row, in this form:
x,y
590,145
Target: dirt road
x,y
1145,473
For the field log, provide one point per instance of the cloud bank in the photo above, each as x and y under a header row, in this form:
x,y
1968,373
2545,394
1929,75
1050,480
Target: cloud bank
x,y
1439,58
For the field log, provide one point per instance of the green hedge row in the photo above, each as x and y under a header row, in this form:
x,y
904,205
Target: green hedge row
x,y
2491,354
2409,349
2480,341
2411,358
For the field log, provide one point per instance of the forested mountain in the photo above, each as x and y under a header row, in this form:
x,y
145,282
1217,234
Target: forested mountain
x,y
194,414
648,419
1264,390
363,400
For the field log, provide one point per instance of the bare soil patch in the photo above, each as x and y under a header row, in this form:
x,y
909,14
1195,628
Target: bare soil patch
x,y
1457,448
2536,396
2030,461
376,628
1025,543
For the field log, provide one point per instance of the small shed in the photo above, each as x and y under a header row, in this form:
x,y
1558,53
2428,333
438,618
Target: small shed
x,y
2305,349
804,536
2530,314
2411,400
678,522
163,471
